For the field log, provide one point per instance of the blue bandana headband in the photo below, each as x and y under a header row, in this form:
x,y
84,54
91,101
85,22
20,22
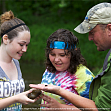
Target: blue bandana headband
x,y
59,45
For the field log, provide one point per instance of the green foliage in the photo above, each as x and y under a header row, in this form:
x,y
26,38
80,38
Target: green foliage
x,y
46,16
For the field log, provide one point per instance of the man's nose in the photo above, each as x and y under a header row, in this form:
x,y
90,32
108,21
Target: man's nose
x,y
90,37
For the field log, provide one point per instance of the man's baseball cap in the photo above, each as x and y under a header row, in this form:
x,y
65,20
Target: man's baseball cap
x,y
98,14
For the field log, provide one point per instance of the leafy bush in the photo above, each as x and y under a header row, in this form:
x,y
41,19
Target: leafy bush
x,y
46,16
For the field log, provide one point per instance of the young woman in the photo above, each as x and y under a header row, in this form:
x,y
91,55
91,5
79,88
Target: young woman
x,y
15,37
65,66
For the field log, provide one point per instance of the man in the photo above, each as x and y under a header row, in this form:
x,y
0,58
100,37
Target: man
x,y
98,23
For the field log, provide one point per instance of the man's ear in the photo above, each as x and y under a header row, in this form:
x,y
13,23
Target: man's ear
x,y
5,39
109,29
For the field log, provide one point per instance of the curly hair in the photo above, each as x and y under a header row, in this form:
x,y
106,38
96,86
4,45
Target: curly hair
x,y
7,21
66,36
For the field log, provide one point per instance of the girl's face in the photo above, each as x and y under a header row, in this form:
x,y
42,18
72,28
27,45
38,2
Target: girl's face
x,y
18,45
59,60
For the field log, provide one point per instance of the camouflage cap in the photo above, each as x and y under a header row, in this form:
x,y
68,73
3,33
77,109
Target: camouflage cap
x,y
99,14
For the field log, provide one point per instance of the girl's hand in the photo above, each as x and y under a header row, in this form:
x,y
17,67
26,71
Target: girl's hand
x,y
47,88
51,104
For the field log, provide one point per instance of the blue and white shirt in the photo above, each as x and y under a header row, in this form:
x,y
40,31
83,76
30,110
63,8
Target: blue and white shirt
x,y
9,87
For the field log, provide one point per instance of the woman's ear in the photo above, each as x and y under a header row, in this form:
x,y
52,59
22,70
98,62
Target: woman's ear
x,y
5,39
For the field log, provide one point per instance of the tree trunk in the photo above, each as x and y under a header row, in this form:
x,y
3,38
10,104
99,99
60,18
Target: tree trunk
x,y
3,6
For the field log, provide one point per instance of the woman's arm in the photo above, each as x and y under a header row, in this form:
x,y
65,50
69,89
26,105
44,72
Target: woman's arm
x,y
76,100
21,98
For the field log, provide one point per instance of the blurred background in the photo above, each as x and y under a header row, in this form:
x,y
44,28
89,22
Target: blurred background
x,y
43,18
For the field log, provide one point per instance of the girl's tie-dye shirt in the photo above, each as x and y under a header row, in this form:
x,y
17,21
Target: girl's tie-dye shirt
x,y
78,83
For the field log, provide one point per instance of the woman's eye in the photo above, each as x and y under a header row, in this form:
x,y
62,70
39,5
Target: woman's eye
x,y
21,44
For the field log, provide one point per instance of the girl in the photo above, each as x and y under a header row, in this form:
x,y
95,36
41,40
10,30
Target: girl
x,y
65,66
15,37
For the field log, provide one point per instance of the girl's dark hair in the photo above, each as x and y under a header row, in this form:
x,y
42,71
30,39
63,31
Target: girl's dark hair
x,y
7,21
67,37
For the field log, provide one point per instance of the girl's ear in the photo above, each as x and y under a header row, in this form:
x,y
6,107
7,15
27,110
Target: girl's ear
x,y
5,39
75,48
